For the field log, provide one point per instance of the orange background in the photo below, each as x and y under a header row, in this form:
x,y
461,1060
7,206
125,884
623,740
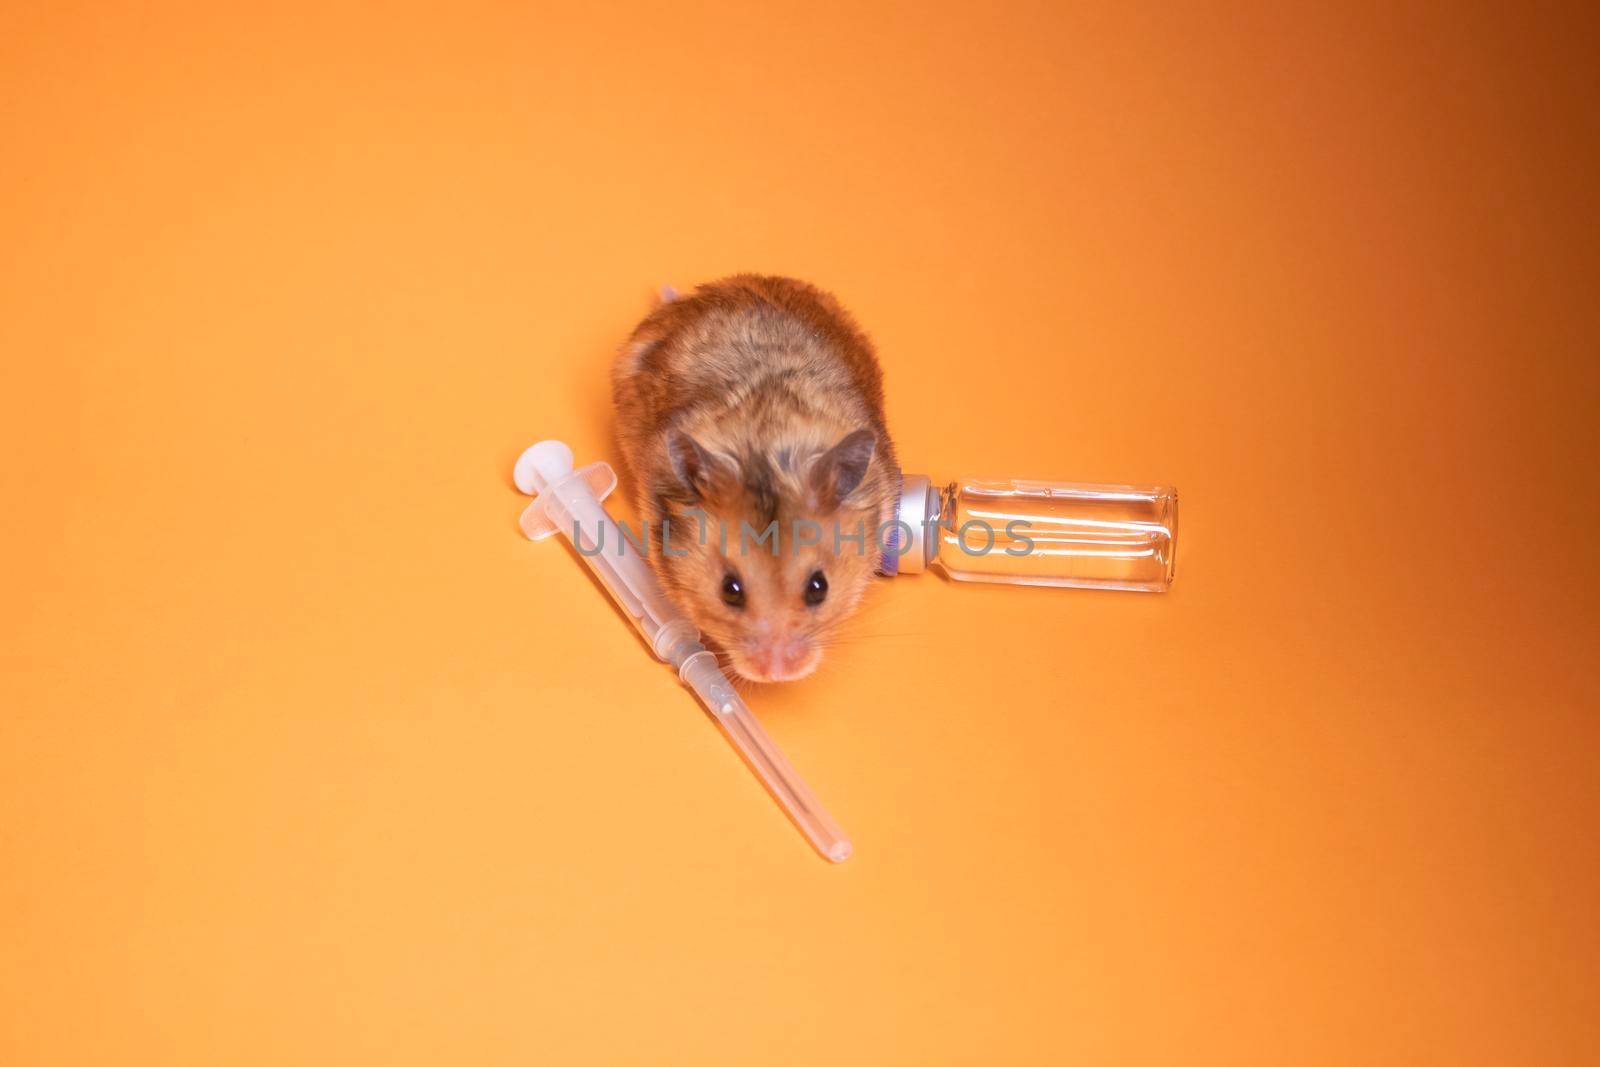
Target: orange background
x,y
306,756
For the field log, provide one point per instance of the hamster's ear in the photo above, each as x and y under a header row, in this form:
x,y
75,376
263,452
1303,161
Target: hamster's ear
x,y
705,475
840,470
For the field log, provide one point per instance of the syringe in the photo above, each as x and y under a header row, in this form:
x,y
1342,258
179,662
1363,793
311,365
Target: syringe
x,y
569,502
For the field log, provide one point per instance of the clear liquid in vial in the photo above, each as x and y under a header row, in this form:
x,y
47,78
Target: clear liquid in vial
x,y
1059,533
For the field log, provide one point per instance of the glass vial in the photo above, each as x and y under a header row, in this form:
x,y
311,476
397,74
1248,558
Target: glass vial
x,y
1038,533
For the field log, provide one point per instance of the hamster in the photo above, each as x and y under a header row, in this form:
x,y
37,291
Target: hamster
x,y
750,402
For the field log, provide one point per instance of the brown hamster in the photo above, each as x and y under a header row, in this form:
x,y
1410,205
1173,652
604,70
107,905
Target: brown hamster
x,y
752,401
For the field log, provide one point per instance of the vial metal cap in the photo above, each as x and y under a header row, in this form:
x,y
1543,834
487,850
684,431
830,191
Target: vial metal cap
x,y
915,517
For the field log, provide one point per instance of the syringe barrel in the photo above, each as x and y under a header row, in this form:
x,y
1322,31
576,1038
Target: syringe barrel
x,y
572,507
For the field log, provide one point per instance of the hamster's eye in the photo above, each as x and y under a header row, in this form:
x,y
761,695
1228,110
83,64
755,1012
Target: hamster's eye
x,y
816,588
732,592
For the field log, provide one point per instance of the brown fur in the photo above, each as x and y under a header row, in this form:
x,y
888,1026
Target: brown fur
x,y
740,400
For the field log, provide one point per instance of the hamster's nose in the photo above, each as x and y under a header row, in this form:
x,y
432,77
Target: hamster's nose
x,y
783,661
